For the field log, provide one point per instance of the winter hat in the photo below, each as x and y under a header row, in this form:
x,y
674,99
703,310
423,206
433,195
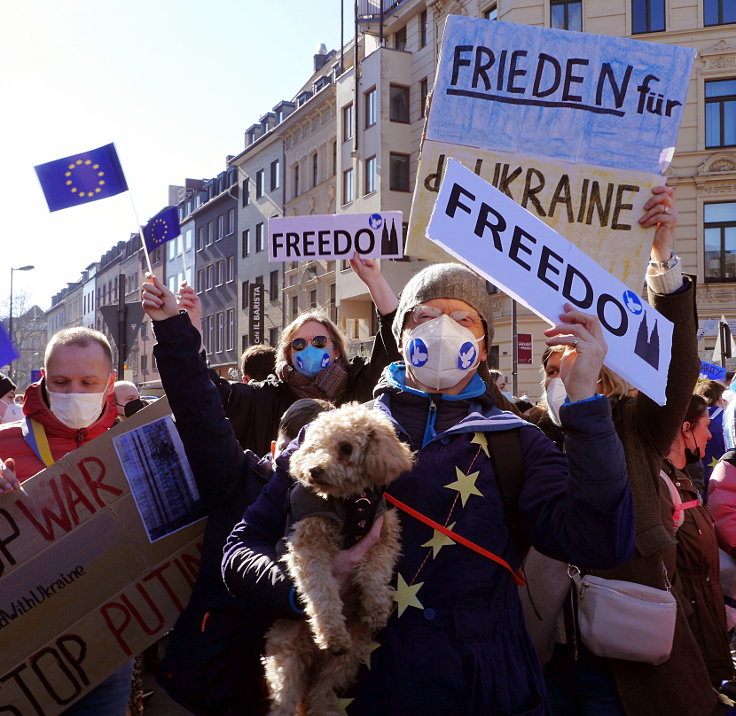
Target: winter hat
x,y
6,385
445,281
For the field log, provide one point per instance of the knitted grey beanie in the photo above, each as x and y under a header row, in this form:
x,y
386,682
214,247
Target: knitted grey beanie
x,y
445,281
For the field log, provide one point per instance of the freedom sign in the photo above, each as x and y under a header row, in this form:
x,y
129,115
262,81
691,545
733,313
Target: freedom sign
x,y
96,561
335,236
511,248
573,96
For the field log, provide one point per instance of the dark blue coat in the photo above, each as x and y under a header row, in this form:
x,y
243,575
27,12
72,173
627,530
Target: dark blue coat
x,y
459,646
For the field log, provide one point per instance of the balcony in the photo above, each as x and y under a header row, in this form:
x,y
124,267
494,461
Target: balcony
x,y
372,10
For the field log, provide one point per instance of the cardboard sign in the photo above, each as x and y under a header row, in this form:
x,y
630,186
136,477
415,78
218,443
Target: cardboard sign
x,y
335,236
573,96
533,264
594,207
712,371
524,349
83,587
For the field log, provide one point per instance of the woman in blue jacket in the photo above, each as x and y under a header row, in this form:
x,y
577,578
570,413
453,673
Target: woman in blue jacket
x,y
456,642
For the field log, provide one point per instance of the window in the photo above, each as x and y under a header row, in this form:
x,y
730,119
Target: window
x,y
423,92
220,331
220,273
246,191
370,175
423,29
294,307
315,170
244,342
566,14
188,239
333,303
347,186
230,333
200,238
230,221
313,298
259,184
647,16
719,223
221,226
230,268
400,39
210,276
491,13
399,172
210,333
275,174
244,293
371,108
296,180
259,237
347,122
144,363
719,12
334,158
720,113
273,285
245,238
398,103
210,232
172,284
170,250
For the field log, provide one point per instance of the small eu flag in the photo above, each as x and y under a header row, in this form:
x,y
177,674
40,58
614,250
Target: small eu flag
x,y
82,178
162,228
7,350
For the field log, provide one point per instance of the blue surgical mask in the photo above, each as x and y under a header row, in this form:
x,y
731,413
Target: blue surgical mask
x,y
311,361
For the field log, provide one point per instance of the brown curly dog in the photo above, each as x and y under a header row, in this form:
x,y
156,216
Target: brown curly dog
x,y
346,459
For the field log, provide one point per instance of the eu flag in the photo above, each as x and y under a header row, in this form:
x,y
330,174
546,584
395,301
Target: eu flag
x,y
82,178
7,350
162,228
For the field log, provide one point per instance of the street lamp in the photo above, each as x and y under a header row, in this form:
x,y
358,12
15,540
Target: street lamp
x,y
10,318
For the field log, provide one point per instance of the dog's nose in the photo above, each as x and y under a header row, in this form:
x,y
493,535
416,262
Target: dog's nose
x,y
316,471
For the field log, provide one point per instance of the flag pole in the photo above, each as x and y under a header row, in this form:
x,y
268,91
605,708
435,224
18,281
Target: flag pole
x,y
140,233
184,259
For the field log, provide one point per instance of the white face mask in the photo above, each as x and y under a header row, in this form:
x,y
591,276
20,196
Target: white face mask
x,y
12,412
556,394
441,352
76,410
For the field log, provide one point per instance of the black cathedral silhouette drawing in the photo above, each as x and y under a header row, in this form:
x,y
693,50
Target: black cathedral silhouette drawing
x,y
647,347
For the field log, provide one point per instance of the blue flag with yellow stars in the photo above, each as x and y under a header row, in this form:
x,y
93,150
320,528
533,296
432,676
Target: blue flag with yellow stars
x,y
162,228
82,178
7,350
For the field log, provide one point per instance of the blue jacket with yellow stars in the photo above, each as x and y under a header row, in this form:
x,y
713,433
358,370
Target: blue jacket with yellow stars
x,y
456,643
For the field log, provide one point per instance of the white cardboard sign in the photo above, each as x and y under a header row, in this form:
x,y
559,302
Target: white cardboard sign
x,y
336,236
533,264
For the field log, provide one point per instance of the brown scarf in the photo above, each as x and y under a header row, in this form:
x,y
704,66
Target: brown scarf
x,y
329,384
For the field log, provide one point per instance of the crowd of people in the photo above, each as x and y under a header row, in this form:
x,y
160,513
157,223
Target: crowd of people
x,y
595,474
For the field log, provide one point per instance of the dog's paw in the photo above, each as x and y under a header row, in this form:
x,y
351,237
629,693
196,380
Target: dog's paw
x,y
336,643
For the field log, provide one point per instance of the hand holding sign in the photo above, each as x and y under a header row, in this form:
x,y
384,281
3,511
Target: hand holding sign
x,y
8,480
581,366
369,272
661,211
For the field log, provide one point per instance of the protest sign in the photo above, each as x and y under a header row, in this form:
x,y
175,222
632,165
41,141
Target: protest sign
x,y
84,587
335,236
574,96
577,128
597,208
712,371
255,313
524,352
533,264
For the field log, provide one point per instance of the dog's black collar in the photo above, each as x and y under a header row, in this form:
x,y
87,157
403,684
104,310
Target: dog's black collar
x,y
360,514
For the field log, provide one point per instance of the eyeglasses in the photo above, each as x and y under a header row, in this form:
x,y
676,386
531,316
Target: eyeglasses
x,y
422,314
299,344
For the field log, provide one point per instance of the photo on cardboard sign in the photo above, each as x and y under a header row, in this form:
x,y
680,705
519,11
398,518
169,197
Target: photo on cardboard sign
x,y
160,478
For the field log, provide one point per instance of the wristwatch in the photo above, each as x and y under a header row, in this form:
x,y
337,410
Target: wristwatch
x,y
667,264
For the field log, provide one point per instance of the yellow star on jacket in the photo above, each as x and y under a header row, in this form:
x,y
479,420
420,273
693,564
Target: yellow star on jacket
x,y
406,595
371,648
342,706
439,541
713,462
482,440
465,485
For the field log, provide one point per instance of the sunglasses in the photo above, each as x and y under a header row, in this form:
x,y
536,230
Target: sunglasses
x,y
299,344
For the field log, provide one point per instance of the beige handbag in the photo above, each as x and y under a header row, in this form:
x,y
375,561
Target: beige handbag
x,y
625,620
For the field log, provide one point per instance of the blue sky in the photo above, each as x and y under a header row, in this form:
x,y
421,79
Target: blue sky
x,y
173,84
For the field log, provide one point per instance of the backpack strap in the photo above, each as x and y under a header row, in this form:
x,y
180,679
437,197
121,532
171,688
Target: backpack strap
x,y
509,471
